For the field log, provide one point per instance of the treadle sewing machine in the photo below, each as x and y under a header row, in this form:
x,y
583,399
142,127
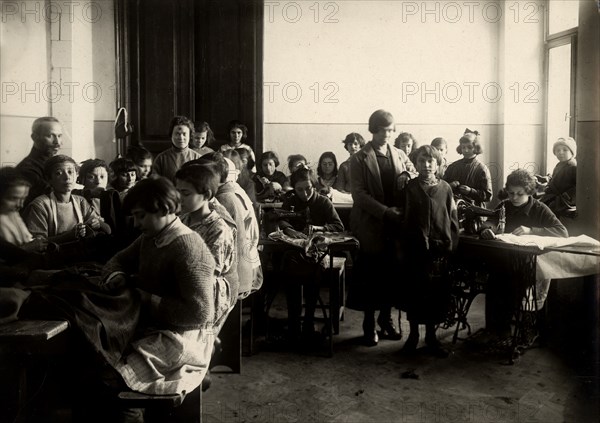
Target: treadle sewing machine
x,y
468,281
470,218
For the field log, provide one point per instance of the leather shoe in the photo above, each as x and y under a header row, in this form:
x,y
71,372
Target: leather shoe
x,y
389,331
370,339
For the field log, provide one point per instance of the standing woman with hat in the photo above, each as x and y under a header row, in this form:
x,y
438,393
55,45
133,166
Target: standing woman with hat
x,y
561,190
378,172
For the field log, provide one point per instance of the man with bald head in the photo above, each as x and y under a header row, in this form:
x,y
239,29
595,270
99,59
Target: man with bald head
x,y
46,133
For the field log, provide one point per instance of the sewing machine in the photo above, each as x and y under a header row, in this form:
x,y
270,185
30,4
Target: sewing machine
x,y
473,219
298,219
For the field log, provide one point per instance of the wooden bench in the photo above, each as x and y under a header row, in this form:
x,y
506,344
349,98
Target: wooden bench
x,y
230,353
166,408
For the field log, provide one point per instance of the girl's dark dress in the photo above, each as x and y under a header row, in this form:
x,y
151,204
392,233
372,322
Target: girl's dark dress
x,y
430,229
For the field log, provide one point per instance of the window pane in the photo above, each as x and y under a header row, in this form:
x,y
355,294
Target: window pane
x,y
563,14
559,99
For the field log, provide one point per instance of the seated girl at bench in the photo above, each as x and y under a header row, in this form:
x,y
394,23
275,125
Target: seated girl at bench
x,y
174,271
304,272
197,185
18,248
61,216
524,215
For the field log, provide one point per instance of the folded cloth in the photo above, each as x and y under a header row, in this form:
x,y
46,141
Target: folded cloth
x,y
542,242
107,319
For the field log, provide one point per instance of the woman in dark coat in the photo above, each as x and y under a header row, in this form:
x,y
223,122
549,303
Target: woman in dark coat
x,y
378,171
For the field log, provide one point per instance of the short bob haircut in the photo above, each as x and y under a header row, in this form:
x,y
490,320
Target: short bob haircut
x,y
380,119
405,136
215,159
181,121
303,174
203,177
295,158
245,154
237,124
234,156
88,166
11,177
153,195
470,138
438,142
268,155
521,178
328,155
54,161
354,136
429,152
121,165
138,154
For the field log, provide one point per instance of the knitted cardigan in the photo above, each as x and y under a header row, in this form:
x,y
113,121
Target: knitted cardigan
x,y
179,274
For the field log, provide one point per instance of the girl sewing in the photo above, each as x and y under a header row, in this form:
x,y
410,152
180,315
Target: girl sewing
x,y
269,181
320,215
61,216
327,171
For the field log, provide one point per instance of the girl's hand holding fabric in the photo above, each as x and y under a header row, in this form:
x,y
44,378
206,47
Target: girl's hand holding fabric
x,y
487,233
94,222
522,230
80,230
294,234
464,189
38,245
392,215
403,179
276,186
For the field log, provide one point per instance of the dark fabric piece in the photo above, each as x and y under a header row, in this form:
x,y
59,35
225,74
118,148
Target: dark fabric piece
x,y
106,319
375,281
32,168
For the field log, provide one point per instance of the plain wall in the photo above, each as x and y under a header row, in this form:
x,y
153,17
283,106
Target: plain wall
x,y
58,59
438,67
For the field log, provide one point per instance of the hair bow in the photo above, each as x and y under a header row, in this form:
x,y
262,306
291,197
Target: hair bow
x,y
468,131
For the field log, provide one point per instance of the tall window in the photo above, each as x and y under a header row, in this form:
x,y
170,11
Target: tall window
x,y
561,60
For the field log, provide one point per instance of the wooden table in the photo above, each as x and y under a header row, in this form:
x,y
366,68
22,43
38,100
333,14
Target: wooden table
x,y
521,261
268,248
27,340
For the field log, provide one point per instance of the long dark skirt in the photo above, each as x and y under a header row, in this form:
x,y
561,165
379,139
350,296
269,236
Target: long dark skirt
x,y
375,281
425,292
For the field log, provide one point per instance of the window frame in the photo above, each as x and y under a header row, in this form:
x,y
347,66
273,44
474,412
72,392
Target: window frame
x,y
568,36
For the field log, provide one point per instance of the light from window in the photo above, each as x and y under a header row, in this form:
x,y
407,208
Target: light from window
x,y
559,99
562,15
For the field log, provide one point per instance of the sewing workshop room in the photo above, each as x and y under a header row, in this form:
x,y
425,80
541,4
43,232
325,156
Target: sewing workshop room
x,y
256,211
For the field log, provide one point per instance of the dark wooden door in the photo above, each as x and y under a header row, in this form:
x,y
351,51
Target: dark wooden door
x,y
198,58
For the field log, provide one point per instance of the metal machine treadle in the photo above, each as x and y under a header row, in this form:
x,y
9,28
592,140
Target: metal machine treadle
x,y
466,284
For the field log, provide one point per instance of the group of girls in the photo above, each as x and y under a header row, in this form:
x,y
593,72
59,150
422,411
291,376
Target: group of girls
x,y
405,217
187,257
